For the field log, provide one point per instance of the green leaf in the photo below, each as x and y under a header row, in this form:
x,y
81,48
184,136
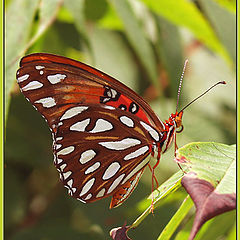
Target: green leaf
x,y
95,10
176,219
47,14
24,18
137,37
224,23
76,8
114,57
228,4
110,20
20,13
185,13
211,179
171,185
169,47
213,162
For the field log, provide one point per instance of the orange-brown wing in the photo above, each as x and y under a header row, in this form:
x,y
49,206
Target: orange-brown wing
x,y
101,151
53,84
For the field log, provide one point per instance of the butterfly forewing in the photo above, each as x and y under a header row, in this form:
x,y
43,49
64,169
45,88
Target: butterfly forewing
x,y
54,83
98,149
53,90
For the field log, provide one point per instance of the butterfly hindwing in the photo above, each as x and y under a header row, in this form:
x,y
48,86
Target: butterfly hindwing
x,y
99,148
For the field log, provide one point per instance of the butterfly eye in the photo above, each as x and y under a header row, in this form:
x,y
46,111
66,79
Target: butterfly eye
x,y
181,129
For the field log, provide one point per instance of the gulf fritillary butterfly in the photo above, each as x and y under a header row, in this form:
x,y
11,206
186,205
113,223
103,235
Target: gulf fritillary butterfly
x,y
103,132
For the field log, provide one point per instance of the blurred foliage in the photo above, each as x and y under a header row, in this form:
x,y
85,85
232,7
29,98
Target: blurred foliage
x,y
143,44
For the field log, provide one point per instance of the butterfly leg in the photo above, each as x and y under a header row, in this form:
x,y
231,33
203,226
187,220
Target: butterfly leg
x,y
154,178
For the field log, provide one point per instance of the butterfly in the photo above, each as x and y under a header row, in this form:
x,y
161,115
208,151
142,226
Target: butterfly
x,y
103,132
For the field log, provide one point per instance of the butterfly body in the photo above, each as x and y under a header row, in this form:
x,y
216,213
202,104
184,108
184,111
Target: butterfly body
x,y
103,132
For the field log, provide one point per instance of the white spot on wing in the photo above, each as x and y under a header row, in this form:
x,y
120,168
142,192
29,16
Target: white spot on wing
x,y
127,121
57,146
73,112
136,153
39,67
66,175
59,138
70,183
109,107
134,108
62,167
81,200
102,126
111,170
80,126
60,124
101,193
106,99
66,150
58,160
87,156
47,102
151,131
136,169
113,93
74,190
23,78
32,85
132,186
93,168
87,186
115,183
121,145
88,196
71,190
53,79
41,72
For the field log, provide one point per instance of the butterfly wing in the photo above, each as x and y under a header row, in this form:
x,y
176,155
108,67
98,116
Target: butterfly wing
x,y
53,84
101,151
71,96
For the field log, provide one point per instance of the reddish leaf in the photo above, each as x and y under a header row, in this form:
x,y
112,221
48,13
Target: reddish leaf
x,y
209,203
120,233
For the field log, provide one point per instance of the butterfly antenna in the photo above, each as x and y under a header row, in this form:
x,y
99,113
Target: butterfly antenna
x,y
180,83
195,99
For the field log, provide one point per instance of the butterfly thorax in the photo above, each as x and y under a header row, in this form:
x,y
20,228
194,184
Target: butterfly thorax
x,y
175,119
174,122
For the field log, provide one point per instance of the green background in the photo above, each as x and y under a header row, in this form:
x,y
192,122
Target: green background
x,y
144,45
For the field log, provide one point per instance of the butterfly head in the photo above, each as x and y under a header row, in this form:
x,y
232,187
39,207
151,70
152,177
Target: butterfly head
x,y
178,119
175,120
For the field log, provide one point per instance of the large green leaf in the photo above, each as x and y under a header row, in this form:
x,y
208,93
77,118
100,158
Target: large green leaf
x,y
228,4
114,57
22,12
76,8
211,179
171,185
136,37
213,162
176,219
185,13
169,47
224,23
